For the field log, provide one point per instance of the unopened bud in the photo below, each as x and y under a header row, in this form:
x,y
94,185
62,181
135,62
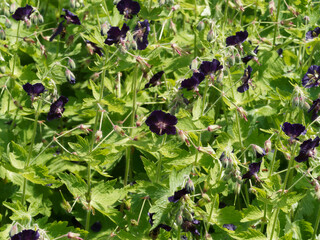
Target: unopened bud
x,y
260,152
183,137
95,76
200,26
173,26
213,128
187,215
194,65
28,23
210,36
71,63
189,186
119,130
3,69
8,23
242,113
267,145
40,18
74,236
34,19
179,218
104,28
85,128
12,8
2,34
14,230
237,188
98,135
70,76
73,3
272,7
287,156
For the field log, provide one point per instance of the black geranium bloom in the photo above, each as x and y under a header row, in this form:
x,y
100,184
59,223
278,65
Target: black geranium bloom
x,y
254,168
96,227
246,59
163,226
293,130
23,13
58,31
190,226
315,108
160,123
210,68
177,195
70,17
141,32
280,51
313,33
230,227
128,8
307,149
33,90
237,39
57,108
193,82
116,35
245,80
311,78
26,235
155,80
93,48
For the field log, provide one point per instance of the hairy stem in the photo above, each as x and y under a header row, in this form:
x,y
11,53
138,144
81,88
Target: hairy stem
x,y
276,27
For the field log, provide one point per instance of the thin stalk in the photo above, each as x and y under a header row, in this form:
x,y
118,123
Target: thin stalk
x,y
316,225
134,103
277,24
35,124
274,158
225,17
160,159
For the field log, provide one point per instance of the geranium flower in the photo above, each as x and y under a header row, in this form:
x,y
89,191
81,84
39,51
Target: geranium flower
x,y
27,234
93,48
254,168
163,226
57,31
178,194
190,226
57,108
155,80
23,13
307,149
311,78
128,8
70,17
160,123
246,59
33,90
315,109
116,35
260,152
193,82
293,130
96,227
141,32
230,227
237,39
210,68
313,33
245,80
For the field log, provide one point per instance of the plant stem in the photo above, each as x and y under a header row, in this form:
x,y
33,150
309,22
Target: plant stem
x,y
35,124
277,24
133,114
160,159
316,225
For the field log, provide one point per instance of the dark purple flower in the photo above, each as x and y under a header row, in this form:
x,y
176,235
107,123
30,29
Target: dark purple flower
x,y
26,235
160,123
230,227
280,51
237,39
96,227
315,109
253,170
57,108
293,130
307,149
245,80
141,32
128,8
93,48
116,35
210,68
59,30
155,80
247,58
163,226
190,226
33,90
23,13
313,33
193,82
311,78
177,195
70,17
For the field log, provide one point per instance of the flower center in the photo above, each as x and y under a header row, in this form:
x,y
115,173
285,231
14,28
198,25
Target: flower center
x,y
161,125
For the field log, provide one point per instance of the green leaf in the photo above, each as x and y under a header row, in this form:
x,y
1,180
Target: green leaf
x,y
252,213
114,104
76,186
150,168
250,234
226,215
40,175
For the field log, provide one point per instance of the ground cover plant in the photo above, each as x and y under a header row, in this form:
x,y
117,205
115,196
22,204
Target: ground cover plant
x,y
168,119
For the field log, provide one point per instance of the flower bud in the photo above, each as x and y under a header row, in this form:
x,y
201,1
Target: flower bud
x,y
95,76
119,130
12,8
206,197
40,18
173,26
72,3
183,137
194,65
78,5
85,128
104,28
242,113
28,23
98,135
189,186
70,76
237,188
8,23
210,36
213,128
287,156
200,26
187,215
267,145
14,230
71,63
260,152
2,34
179,218
74,236
272,7
34,19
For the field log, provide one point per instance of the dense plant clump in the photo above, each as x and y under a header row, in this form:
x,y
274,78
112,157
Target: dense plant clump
x,y
159,119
